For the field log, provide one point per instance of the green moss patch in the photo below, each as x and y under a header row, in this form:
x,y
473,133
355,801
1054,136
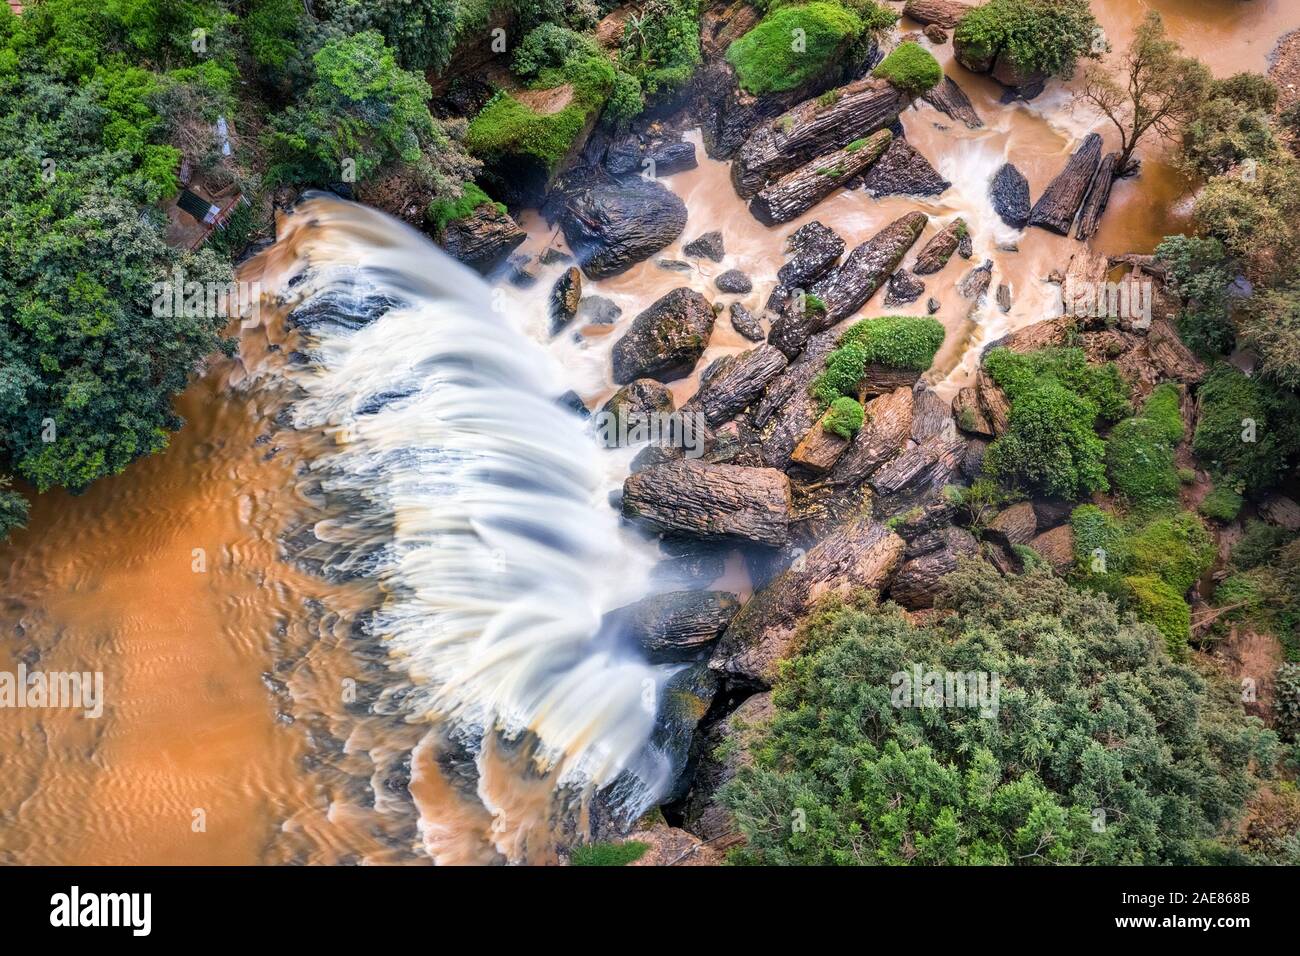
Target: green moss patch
x,y
911,68
904,342
791,45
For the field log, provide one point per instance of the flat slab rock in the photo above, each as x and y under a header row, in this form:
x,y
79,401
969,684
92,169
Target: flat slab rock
x,y
711,501
860,554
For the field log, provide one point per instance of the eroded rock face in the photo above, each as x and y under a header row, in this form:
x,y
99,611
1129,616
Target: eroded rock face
x,y
711,501
949,98
902,171
677,626
734,281
666,340
796,192
482,239
702,815
812,249
743,321
903,288
1060,201
930,558
612,226
707,246
1010,193
736,382
565,297
860,554
641,397
942,13
934,255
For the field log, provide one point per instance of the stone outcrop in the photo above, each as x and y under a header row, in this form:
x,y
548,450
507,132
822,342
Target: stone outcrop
x,y
949,98
788,409
702,815
812,250
934,255
735,382
666,340
857,555
887,429
812,129
707,246
644,396
482,239
743,321
1098,197
612,226
1009,191
902,171
565,297
711,501
930,558
677,626
1060,202
796,192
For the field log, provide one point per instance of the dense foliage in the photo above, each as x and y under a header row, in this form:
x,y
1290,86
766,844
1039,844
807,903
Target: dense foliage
x,y
1140,452
1057,400
904,342
842,776
1200,273
1037,36
1248,428
773,56
911,68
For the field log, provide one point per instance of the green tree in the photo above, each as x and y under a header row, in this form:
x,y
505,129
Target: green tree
x,y
1093,724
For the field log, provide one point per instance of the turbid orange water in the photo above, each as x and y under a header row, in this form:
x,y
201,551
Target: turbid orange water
x,y
228,736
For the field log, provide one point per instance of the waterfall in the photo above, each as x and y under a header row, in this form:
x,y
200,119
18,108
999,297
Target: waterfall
x,y
474,500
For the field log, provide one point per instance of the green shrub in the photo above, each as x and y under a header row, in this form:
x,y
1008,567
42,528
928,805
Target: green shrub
x,y
1271,327
1176,549
443,211
1248,428
1200,272
1091,713
1101,546
896,341
1158,604
14,509
1286,701
844,417
1017,374
911,68
1221,504
1038,36
1050,445
549,46
608,854
661,45
765,60
1259,544
273,28
1140,452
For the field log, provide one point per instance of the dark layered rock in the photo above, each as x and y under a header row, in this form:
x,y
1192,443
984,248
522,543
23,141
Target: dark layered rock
x,y
788,409
934,255
1010,193
1004,297
796,192
1017,524
736,382
993,403
743,321
702,815
860,554
918,473
686,697
902,171
903,288
611,227
812,129
943,13
707,246
1056,547
1047,334
1094,204
931,415
1060,202
734,281
670,157
948,98
482,239
711,501
666,340
689,570
846,289
975,283
348,305
678,626
969,414
930,558
566,295
644,396
812,250
1280,510
887,429
598,310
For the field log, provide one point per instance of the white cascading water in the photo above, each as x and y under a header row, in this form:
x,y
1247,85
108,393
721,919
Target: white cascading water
x,y
477,502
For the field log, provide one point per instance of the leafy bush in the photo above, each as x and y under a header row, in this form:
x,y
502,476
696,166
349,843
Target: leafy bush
x,y
896,341
14,509
911,68
1272,328
1158,604
1259,544
1018,374
1176,549
549,46
1038,36
607,854
1231,125
844,417
1200,273
1140,451
421,32
881,784
1101,545
1286,701
765,58
1257,219
661,45
273,28
1248,428
1221,504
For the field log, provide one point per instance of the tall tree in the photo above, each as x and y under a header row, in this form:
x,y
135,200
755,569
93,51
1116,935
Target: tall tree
x,y
1157,89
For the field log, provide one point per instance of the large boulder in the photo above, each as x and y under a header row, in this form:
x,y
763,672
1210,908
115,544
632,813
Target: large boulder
x,y
666,340
811,251
888,428
724,749
711,501
934,255
796,192
677,626
1060,201
860,554
902,171
949,98
1009,191
612,226
482,239
565,297
943,13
